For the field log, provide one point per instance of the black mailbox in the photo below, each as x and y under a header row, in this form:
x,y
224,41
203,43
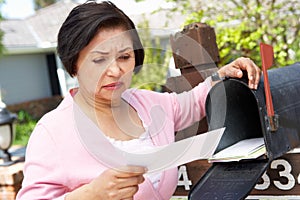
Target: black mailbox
x,y
242,111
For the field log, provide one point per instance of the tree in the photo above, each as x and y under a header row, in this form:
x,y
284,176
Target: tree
x,y
241,25
154,71
38,4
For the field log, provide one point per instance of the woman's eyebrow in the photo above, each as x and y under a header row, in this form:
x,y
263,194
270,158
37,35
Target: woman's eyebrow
x,y
107,52
100,52
125,49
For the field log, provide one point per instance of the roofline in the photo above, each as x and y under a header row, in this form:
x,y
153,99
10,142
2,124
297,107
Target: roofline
x,y
28,50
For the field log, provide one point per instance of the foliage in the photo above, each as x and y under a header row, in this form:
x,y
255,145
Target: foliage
x,y
1,44
153,73
24,126
241,25
38,4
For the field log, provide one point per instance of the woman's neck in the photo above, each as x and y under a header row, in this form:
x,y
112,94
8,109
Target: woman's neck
x,y
92,106
119,121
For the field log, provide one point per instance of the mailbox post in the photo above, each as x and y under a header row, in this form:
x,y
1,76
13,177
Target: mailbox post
x,y
195,53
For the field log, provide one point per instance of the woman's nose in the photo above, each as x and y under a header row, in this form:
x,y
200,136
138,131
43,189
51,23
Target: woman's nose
x,y
113,69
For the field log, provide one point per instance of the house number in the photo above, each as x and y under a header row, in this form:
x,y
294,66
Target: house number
x,y
285,173
183,179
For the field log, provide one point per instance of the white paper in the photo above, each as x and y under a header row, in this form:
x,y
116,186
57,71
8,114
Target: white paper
x,y
158,159
241,149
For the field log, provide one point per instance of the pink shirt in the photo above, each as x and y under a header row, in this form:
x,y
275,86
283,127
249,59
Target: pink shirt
x,y
57,163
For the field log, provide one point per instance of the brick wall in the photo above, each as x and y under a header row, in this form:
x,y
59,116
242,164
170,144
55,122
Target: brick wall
x,y
36,108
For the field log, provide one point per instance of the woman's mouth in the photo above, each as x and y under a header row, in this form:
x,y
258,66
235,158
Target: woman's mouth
x,y
113,86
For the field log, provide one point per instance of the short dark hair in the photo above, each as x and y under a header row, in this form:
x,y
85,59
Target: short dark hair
x,y
84,22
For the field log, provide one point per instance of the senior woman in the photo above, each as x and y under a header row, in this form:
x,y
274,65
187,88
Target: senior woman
x,y
100,46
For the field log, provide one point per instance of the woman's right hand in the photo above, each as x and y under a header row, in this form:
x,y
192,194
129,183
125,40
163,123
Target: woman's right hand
x,y
116,184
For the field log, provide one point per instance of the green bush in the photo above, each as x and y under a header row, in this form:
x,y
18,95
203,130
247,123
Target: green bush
x,y
242,25
153,74
24,126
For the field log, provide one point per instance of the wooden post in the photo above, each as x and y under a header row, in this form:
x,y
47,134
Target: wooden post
x,y
10,181
195,53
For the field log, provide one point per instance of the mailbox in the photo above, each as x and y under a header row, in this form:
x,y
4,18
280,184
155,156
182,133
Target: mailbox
x,y
242,111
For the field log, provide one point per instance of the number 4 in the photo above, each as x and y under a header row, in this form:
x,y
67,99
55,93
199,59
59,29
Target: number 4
x,y
182,172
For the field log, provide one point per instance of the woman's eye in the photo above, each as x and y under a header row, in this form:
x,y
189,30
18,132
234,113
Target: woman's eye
x,y
98,60
124,57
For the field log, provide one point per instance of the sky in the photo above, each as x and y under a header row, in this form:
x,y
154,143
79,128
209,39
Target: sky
x,y
19,9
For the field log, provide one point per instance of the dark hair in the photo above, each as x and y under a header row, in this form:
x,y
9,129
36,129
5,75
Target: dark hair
x,y
84,22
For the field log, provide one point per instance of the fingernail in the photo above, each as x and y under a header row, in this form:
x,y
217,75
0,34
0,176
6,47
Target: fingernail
x,y
239,73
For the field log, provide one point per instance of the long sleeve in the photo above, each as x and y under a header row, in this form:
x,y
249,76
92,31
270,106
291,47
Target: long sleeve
x,y
189,107
42,175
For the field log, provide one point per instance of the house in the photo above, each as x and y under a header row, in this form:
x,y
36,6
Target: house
x,y
30,68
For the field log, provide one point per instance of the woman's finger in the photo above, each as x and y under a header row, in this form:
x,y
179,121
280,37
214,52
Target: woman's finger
x,y
130,181
253,71
128,171
127,192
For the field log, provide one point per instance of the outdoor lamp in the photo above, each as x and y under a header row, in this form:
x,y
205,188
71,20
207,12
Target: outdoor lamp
x,y
7,133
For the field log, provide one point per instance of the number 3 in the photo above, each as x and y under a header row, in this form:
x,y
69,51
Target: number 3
x,y
265,184
286,173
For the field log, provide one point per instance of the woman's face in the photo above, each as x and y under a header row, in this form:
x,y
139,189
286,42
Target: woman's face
x,y
105,66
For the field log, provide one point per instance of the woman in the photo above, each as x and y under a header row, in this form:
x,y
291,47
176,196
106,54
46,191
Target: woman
x,y
99,45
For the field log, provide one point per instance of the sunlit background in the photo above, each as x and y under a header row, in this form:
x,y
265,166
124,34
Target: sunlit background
x,y
19,9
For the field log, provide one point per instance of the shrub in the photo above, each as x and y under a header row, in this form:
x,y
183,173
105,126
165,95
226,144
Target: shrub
x,y
24,126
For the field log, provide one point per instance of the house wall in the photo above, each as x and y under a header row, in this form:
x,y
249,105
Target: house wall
x,y
24,78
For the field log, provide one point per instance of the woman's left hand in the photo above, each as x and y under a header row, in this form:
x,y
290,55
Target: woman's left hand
x,y
234,70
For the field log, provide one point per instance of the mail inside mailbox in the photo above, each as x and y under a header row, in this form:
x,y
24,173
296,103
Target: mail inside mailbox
x,y
242,111
233,105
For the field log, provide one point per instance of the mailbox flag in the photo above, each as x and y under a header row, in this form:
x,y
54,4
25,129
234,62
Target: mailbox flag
x,y
267,57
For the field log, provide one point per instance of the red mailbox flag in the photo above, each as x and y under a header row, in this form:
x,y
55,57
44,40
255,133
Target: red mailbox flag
x,y
267,57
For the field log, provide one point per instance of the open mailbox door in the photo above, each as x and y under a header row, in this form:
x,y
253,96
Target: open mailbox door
x,y
245,115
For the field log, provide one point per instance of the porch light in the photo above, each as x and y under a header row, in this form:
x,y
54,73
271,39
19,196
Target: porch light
x,y
7,133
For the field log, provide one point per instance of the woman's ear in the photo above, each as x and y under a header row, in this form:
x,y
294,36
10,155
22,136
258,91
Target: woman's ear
x,y
74,71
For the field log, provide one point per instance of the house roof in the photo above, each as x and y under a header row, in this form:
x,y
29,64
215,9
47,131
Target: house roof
x,y
38,33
